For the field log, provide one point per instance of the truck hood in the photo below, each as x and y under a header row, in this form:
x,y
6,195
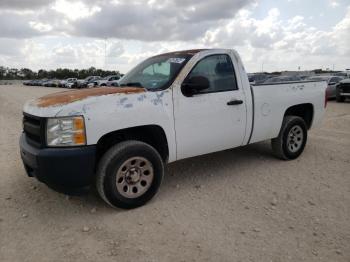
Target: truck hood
x,y
52,104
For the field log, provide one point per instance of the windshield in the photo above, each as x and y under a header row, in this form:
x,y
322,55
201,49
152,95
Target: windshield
x,y
155,73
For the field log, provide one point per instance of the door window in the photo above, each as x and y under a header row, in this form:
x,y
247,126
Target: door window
x,y
336,79
218,69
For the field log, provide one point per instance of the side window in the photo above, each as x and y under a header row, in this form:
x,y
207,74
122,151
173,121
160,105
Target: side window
x,y
335,79
219,71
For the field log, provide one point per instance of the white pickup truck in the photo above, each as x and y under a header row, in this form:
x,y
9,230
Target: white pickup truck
x,y
170,107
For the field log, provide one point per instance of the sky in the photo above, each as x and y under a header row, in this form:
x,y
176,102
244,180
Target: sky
x,y
270,35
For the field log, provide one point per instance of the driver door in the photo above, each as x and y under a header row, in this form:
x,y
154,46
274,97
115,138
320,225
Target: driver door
x,y
213,119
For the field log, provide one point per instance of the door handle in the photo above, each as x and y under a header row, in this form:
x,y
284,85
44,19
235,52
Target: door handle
x,y
234,102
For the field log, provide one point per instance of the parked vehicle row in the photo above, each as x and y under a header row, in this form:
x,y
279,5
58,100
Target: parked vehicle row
x,y
90,81
280,79
335,83
256,79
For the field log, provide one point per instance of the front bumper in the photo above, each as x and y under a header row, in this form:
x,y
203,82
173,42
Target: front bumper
x,y
67,170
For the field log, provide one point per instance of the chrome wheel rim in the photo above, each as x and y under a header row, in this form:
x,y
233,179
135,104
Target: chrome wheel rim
x,y
295,138
134,177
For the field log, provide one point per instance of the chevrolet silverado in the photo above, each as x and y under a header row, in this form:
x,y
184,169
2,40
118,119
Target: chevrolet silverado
x,y
170,107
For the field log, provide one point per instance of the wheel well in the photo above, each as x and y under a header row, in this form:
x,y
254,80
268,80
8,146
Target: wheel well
x,y
305,111
151,134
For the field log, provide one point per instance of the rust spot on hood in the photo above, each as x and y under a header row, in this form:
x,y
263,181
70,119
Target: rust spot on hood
x,y
67,97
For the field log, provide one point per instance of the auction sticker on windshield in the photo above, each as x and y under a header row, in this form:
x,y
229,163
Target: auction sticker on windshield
x,y
177,60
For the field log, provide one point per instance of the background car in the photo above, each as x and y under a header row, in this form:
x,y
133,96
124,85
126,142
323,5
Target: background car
x,y
41,82
52,83
113,83
28,82
35,82
71,83
345,74
332,82
62,83
280,79
105,80
343,90
255,79
87,82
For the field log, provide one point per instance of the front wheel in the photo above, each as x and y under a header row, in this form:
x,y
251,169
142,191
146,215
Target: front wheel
x,y
292,138
129,174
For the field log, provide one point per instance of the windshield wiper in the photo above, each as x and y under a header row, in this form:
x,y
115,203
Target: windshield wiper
x,y
133,84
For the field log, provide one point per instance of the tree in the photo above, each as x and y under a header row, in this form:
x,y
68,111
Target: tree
x,y
59,73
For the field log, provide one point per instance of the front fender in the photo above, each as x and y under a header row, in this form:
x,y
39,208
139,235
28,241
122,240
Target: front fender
x,y
105,114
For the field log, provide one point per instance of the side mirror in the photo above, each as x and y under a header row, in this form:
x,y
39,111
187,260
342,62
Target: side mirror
x,y
194,85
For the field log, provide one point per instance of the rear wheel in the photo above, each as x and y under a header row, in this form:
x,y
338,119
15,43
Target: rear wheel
x,y
292,138
129,174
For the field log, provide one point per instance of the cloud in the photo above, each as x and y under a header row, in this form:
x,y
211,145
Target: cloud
x,y
157,20
341,35
17,26
10,47
282,44
119,33
23,4
333,3
74,9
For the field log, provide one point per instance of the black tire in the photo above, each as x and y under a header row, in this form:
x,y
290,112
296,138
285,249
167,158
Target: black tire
x,y
280,145
112,161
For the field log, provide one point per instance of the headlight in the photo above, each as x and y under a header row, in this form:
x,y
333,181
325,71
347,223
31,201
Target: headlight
x,y
65,131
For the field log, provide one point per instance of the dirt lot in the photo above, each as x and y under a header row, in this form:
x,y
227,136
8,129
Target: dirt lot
x,y
237,205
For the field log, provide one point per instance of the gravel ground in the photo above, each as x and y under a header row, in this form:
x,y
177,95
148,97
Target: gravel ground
x,y
236,205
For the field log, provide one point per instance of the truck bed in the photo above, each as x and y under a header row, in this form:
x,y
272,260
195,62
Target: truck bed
x,y
269,99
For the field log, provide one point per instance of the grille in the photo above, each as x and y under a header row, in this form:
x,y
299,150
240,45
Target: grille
x,y
345,87
33,127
